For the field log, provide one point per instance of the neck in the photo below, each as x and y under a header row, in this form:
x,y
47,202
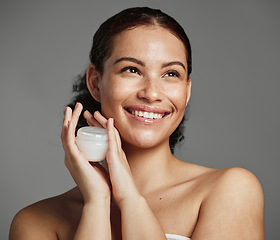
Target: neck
x,y
149,166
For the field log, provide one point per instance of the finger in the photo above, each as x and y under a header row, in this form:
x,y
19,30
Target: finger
x,y
102,120
112,143
69,125
72,123
67,119
67,116
76,113
115,131
91,120
70,136
118,138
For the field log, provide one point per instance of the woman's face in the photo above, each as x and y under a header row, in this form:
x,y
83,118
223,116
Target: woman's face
x,y
144,86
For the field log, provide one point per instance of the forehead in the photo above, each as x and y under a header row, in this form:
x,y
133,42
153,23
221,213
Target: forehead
x,y
149,42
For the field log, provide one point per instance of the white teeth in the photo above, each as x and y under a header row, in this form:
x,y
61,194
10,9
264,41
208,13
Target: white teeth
x,y
149,115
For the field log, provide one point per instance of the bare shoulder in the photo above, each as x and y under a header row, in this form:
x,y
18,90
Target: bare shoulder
x,y
224,181
238,182
42,219
35,221
235,204
212,182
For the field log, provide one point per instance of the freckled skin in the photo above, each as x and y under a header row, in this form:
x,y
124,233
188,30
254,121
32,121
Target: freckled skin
x,y
153,47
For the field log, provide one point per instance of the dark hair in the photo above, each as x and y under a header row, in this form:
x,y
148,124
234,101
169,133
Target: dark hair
x,y
102,46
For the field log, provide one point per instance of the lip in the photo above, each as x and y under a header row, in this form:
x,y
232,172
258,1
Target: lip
x,y
145,108
148,109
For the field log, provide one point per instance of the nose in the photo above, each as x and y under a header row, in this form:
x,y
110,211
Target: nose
x,y
150,91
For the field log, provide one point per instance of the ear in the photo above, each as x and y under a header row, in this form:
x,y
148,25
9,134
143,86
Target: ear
x,y
189,88
93,80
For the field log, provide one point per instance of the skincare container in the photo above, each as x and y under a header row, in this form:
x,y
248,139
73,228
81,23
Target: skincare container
x,y
92,142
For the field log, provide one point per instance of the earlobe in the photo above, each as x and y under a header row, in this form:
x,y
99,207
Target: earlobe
x,y
93,79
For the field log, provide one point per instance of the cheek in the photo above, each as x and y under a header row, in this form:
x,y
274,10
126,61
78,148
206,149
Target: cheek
x,y
117,90
111,99
178,96
115,95
108,91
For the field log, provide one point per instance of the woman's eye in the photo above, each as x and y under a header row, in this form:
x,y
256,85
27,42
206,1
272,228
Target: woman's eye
x,y
130,70
172,74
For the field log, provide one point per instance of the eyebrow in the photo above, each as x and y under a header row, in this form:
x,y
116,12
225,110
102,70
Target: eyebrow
x,y
130,59
174,63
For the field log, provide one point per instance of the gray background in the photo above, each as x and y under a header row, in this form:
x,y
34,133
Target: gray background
x,y
234,113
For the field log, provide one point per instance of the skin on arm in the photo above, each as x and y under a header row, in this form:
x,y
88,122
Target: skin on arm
x,y
233,209
92,181
139,222
95,223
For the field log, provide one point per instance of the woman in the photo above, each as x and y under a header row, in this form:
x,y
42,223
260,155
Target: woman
x,y
139,81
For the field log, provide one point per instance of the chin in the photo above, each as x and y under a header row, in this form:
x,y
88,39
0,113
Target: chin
x,y
145,141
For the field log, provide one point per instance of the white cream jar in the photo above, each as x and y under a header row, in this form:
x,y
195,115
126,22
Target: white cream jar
x,y
92,142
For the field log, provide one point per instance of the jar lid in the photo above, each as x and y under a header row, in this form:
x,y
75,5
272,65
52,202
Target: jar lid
x,y
92,134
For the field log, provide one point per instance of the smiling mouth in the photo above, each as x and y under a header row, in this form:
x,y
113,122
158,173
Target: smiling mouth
x,y
148,115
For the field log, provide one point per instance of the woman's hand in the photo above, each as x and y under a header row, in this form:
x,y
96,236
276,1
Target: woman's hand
x,y
91,178
123,186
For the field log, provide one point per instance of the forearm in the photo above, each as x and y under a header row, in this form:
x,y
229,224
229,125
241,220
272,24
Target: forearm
x,y
139,222
95,222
